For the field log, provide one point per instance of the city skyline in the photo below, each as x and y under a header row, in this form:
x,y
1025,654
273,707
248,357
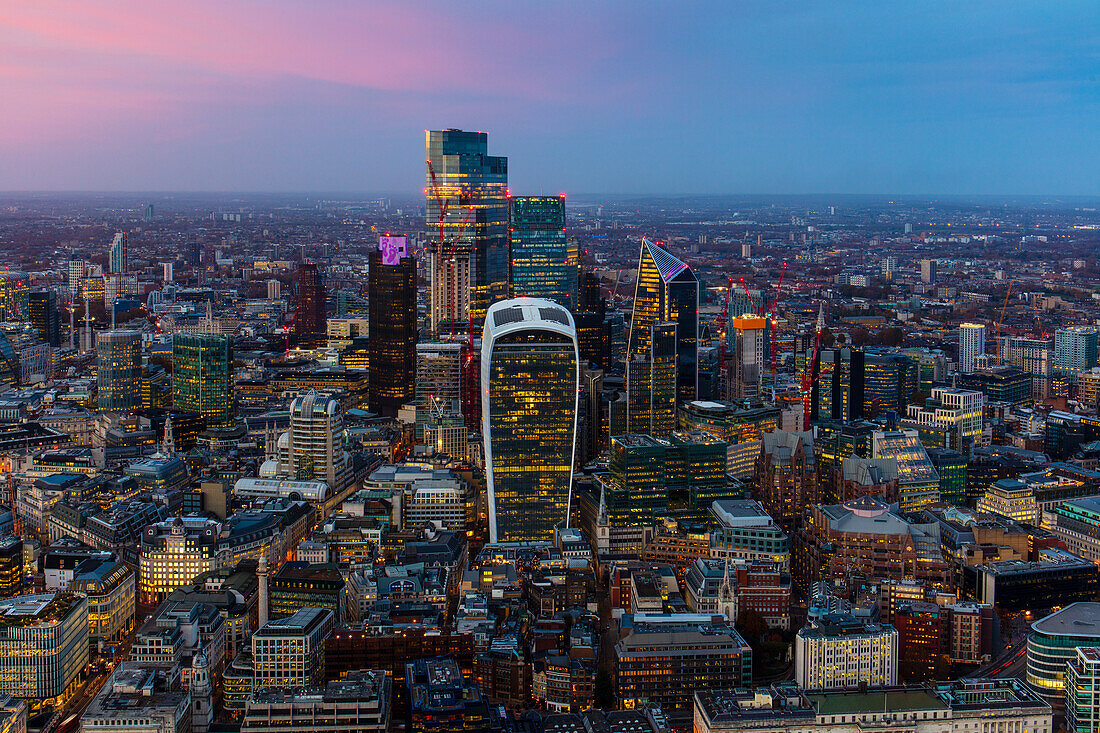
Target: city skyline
x,y
747,99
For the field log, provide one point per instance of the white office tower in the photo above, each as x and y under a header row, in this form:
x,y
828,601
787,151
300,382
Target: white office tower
x,y
971,345
168,272
77,268
274,289
117,259
530,379
313,447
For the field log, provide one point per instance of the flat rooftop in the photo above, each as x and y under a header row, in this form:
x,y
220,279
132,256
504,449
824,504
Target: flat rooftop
x,y
1076,619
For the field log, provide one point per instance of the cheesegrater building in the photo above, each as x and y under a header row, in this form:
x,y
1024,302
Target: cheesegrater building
x,y
530,373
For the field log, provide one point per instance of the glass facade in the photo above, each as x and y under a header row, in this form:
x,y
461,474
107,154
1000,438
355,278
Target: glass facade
x,y
309,302
918,482
530,381
468,245
202,377
393,332
544,261
44,316
651,384
118,370
889,382
667,292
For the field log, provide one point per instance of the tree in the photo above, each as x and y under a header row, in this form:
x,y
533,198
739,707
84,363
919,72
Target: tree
x,y
751,625
890,336
604,690
860,336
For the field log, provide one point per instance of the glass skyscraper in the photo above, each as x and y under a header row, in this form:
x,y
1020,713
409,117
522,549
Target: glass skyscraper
x,y
530,377
544,262
309,302
202,377
393,330
667,292
45,316
468,245
118,370
1074,349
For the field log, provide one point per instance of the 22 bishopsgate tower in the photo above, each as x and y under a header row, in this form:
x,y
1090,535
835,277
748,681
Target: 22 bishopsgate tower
x,y
467,226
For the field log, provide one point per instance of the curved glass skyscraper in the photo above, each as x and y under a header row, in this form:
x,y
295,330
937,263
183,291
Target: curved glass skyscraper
x,y
530,376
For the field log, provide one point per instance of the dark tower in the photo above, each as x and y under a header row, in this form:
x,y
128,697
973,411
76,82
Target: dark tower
x,y
44,315
393,330
309,304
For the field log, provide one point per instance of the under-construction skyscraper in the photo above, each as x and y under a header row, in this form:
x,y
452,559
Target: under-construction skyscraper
x,y
467,224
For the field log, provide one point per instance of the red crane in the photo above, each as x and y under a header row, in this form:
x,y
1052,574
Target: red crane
x,y
809,374
453,240
775,322
752,308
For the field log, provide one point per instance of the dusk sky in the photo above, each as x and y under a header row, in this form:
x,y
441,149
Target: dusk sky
x,y
617,97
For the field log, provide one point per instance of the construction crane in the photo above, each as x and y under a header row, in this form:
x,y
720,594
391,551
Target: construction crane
x,y
745,285
444,206
775,324
999,320
724,330
809,374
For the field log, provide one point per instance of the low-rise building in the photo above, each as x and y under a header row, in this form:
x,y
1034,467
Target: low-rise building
x,y
360,701
842,652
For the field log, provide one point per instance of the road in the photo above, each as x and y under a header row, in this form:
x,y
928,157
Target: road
x,y
1011,663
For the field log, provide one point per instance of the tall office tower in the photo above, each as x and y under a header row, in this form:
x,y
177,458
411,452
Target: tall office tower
x,y
391,287
274,289
13,295
590,293
76,271
468,243
313,447
971,345
169,272
117,259
651,395
202,377
1074,349
309,301
745,357
45,316
118,370
667,291
928,271
544,261
530,379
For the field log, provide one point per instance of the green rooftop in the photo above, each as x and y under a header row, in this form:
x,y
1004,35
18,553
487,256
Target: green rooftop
x,y
849,703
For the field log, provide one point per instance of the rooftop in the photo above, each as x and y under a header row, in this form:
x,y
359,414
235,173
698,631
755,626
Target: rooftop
x,y
1077,619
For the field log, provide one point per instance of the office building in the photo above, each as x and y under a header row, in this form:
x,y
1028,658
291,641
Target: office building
x,y
889,382
971,345
951,467
202,377
1033,356
838,392
786,476
918,482
745,357
359,701
984,705
667,293
43,646
142,698
650,479
1000,384
544,260
1083,691
290,652
1052,646
117,258
44,315
111,591
1010,498
393,328
313,447
1074,350
530,378
741,424
1076,522
118,370
665,659
441,701
468,241
175,552
841,652
745,531
955,415
309,301
297,585
1057,578
651,384
865,534
928,271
